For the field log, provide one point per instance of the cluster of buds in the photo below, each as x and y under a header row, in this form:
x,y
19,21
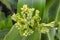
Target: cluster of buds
x,y
46,26
26,20
29,19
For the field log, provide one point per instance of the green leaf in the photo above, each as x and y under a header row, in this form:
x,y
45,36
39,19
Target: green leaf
x,y
48,4
7,3
53,10
3,33
2,16
13,34
35,36
58,36
51,34
38,4
57,19
8,22
44,37
2,24
5,23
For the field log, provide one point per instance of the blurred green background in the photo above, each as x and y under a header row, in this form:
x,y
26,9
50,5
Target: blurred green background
x,y
49,9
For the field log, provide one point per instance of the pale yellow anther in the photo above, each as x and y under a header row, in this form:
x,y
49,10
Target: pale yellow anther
x,y
32,9
44,30
25,8
37,11
14,17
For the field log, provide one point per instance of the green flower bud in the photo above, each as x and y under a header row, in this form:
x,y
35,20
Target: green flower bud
x,y
44,30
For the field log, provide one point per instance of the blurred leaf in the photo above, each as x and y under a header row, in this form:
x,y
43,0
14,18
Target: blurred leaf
x,y
38,4
0,8
2,16
5,23
2,24
7,3
3,33
13,34
13,3
46,10
8,22
35,36
58,36
58,21
53,10
51,34
44,36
